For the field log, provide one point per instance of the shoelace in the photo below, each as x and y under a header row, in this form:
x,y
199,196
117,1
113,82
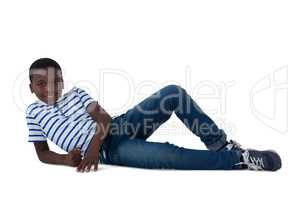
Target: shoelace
x,y
233,145
257,162
253,163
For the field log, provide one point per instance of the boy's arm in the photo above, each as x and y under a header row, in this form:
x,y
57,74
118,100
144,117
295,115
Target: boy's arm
x,y
103,120
101,117
73,158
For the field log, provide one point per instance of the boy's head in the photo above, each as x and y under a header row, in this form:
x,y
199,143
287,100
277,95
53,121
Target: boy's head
x,y
46,80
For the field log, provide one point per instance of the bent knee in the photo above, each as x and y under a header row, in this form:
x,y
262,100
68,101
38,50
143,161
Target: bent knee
x,y
173,89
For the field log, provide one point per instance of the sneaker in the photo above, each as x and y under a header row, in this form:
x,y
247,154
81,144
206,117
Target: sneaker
x,y
231,146
260,160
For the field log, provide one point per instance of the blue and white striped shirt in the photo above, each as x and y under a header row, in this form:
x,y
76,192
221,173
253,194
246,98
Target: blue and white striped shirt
x,y
66,123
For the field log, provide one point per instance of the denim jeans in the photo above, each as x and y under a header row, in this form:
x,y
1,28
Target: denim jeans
x,y
126,144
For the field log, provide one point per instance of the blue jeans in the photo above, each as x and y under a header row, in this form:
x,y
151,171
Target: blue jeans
x,y
126,144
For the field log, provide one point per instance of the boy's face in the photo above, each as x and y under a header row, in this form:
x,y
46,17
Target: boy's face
x,y
47,84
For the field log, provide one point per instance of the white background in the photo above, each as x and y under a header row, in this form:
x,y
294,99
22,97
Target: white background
x,y
143,46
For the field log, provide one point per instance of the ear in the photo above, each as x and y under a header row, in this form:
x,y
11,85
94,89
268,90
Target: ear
x,y
30,87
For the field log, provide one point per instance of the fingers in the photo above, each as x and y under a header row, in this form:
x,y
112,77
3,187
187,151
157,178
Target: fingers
x,y
96,166
81,166
75,153
76,150
87,165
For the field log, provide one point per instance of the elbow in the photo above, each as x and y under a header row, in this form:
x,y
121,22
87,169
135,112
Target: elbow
x,y
98,113
41,157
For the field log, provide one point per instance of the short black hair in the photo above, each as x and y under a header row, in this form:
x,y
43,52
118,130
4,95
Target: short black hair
x,y
43,63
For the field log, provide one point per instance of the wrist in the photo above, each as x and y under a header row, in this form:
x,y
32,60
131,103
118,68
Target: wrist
x,y
66,160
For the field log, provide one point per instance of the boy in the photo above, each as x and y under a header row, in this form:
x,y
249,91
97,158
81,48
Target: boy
x,y
81,127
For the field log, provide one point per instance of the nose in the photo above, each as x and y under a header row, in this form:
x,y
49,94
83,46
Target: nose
x,y
51,89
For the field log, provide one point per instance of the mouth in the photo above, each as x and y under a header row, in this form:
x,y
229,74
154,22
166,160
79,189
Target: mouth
x,y
50,98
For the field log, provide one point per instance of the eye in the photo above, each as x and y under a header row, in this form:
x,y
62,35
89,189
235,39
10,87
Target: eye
x,y
42,83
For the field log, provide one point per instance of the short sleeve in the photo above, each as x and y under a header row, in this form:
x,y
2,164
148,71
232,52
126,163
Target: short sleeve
x,y
85,98
36,134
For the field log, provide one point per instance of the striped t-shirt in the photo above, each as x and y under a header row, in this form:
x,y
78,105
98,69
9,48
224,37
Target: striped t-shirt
x,y
66,123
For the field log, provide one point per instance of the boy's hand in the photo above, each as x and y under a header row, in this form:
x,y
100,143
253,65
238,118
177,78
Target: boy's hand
x,y
91,159
74,158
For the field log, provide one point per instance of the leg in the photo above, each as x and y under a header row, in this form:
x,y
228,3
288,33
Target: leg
x,y
143,119
153,155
